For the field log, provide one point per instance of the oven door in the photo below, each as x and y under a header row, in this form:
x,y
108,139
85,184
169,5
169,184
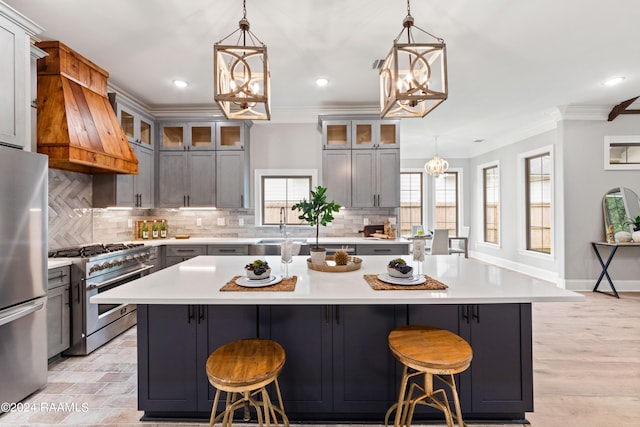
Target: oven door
x,y
100,315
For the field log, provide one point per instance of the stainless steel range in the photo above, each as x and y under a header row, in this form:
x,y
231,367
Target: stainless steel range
x,y
95,269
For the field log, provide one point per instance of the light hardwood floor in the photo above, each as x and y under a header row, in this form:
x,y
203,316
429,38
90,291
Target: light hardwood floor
x,y
586,373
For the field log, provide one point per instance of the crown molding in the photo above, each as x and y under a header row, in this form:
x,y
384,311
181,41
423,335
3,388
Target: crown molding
x,y
584,112
30,27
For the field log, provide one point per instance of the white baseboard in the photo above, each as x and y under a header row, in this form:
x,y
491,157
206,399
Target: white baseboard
x,y
552,276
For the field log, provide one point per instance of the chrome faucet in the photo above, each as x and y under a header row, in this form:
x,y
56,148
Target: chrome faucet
x,y
283,222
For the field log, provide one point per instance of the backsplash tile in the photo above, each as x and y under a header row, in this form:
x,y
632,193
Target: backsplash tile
x,y
70,213
72,220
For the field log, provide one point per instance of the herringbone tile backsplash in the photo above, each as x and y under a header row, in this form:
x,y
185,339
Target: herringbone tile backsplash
x,y
72,220
70,213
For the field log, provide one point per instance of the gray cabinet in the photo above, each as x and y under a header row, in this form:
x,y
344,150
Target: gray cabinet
x,y
58,311
390,249
500,378
375,178
175,254
336,175
229,249
186,179
174,342
203,164
361,161
138,126
338,361
15,81
232,179
124,190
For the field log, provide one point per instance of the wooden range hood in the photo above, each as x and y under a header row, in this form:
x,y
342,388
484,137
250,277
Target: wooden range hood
x,y
77,127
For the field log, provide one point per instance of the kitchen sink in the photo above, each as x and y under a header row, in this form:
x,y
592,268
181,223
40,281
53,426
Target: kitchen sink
x,y
278,241
272,247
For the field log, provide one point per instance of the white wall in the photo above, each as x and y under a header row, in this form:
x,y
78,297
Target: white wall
x,y
586,182
509,252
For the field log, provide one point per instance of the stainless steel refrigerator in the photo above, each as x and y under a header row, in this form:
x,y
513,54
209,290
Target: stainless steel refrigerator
x,y
23,273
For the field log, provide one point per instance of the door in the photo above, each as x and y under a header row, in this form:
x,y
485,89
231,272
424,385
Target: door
x,y
202,179
167,372
23,334
219,325
363,181
336,176
144,179
365,375
230,179
501,374
172,179
388,178
304,331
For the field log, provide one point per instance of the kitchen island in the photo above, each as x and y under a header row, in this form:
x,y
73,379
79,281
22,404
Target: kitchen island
x,y
334,329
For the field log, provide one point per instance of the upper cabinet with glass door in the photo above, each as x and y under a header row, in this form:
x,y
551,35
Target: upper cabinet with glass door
x,y
231,135
359,133
375,134
138,127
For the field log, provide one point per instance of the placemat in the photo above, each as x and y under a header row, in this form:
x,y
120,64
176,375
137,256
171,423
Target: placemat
x,y
286,285
378,285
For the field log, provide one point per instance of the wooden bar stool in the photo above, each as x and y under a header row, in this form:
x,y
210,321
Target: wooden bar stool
x,y
432,352
243,369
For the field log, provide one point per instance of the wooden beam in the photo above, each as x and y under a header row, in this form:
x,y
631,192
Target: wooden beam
x,y
622,109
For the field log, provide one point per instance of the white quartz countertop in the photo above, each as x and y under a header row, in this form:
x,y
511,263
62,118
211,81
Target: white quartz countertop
x,y
54,263
198,281
255,240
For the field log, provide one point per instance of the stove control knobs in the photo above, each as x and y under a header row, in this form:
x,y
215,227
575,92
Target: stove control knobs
x,y
94,268
105,265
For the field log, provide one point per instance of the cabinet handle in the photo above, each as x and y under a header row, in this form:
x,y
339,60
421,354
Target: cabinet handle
x,y
381,250
242,200
475,313
67,298
188,200
190,314
465,312
326,314
374,200
200,313
337,314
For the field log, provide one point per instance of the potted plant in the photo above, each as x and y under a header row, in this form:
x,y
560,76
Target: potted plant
x,y
635,224
317,211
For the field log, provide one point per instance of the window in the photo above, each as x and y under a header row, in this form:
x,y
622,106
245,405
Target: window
x,y
491,203
538,202
410,201
621,152
282,192
446,199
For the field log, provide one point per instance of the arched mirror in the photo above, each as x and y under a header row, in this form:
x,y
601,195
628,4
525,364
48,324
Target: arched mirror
x,y
619,205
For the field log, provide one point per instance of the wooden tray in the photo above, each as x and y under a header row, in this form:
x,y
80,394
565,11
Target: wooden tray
x,y
353,264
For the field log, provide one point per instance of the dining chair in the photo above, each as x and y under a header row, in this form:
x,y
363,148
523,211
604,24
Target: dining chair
x,y
439,242
459,249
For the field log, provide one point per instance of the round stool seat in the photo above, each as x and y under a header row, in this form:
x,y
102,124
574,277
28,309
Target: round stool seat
x,y
424,348
244,364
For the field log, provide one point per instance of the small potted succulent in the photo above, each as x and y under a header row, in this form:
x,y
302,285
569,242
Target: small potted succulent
x,y
258,269
399,268
317,211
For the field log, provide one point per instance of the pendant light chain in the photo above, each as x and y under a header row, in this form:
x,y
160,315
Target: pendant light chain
x,y
244,9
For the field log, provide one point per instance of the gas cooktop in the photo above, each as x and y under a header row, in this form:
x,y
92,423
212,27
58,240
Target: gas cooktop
x,y
91,250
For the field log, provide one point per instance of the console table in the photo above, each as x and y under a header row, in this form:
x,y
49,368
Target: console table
x,y
605,264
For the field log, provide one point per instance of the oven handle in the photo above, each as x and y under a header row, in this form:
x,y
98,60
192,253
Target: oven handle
x,y
91,286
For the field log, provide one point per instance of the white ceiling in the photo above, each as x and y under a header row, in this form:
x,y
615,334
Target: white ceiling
x,y
512,63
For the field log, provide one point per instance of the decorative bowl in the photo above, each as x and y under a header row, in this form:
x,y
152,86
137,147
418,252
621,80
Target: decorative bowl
x,y
251,275
395,273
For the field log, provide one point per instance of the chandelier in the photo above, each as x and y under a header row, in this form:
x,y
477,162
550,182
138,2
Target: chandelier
x,y
413,77
241,85
437,165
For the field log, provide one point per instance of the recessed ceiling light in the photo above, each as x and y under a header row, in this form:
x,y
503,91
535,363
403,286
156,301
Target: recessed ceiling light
x,y
478,140
614,81
180,83
322,82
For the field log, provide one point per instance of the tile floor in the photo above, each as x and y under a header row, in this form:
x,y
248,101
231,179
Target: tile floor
x,y
586,373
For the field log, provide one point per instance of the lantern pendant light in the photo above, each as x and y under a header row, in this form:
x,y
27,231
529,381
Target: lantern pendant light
x,y
413,77
241,81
